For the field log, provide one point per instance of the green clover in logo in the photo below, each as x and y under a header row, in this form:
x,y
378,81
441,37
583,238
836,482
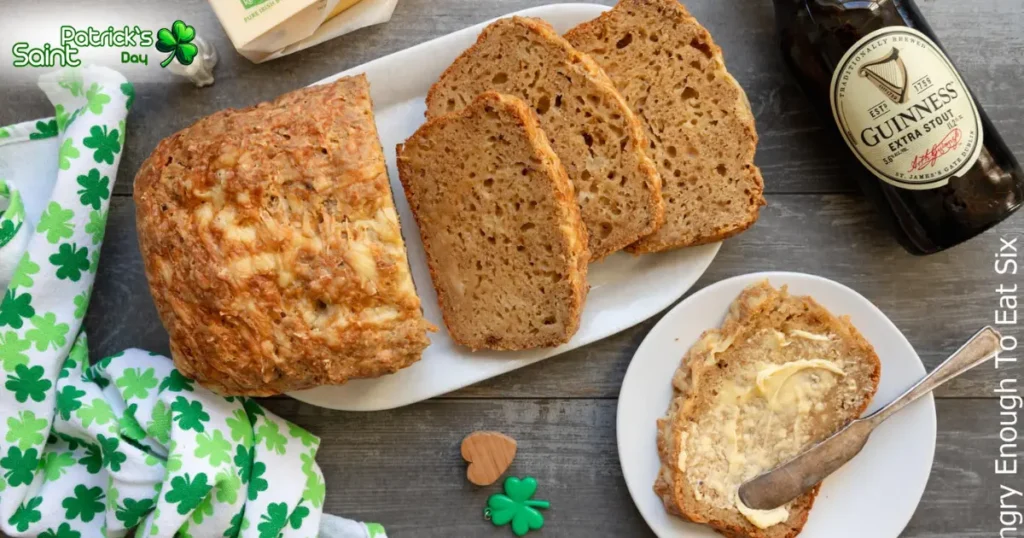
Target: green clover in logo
x,y
517,506
178,42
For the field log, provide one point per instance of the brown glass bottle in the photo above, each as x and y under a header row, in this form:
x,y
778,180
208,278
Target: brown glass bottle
x,y
925,151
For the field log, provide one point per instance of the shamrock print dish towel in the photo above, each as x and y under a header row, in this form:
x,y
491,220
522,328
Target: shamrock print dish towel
x,y
127,444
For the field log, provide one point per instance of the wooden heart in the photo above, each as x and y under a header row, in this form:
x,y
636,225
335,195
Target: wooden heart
x,y
489,454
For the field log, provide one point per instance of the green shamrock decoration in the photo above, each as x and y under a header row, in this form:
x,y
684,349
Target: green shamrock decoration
x,y
56,464
129,91
85,504
190,415
26,430
277,518
129,426
23,274
214,447
187,492
47,333
517,506
111,457
97,411
175,382
160,426
93,459
69,400
135,382
7,231
178,42
28,383
15,309
26,514
95,189
64,531
96,99
12,351
44,129
133,512
67,152
55,223
19,467
70,261
105,143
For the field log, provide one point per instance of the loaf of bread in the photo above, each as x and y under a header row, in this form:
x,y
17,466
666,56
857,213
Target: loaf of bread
x,y
781,374
695,114
596,136
506,247
273,249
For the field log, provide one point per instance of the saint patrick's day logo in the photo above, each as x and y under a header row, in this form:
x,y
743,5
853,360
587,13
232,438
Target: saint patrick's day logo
x,y
177,43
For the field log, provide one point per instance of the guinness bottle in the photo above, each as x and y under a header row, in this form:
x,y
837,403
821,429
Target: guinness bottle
x,y
925,151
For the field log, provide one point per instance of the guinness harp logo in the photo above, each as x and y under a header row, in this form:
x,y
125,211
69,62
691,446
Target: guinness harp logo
x,y
925,130
888,74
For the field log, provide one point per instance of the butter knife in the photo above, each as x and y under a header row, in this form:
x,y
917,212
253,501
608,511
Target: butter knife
x,y
787,481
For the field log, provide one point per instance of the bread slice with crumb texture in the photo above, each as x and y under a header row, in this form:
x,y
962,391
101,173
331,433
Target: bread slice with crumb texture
x,y
505,244
695,115
781,374
596,136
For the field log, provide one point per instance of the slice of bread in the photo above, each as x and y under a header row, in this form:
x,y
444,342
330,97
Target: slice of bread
x,y
695,114
596,136
781,374
506,247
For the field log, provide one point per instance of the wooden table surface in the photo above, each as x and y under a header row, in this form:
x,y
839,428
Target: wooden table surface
x,y
402,467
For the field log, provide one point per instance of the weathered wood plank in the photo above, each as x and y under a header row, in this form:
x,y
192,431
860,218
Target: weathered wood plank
x,y
403,467
981,36
938,301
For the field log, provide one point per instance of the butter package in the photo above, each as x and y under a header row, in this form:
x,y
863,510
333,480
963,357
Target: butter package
x,y
263,30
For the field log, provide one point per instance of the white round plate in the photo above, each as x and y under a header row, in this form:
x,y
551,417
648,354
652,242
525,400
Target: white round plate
x,y
873,495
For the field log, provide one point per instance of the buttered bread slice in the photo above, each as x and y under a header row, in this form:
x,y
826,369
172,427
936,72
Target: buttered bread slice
x,y
781,374
596,136
695,114
506,248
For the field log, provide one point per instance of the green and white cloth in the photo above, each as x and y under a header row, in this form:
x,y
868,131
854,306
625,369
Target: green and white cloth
x,y
127,443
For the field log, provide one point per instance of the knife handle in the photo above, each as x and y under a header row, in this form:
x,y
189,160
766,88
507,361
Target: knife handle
x,y
982,346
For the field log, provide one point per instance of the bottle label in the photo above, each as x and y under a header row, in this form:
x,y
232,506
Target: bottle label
x,y
904,110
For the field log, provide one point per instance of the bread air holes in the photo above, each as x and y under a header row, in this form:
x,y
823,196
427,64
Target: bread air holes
x,y
543,104
587,139
690,93
605,230
499,78
624,42
527,227
701,46
721,170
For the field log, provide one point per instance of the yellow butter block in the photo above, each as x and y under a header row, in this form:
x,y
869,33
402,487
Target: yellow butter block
x,y
342,6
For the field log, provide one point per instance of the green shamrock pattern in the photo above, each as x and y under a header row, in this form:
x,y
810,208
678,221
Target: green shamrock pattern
x,y
127,445
517,506
178,42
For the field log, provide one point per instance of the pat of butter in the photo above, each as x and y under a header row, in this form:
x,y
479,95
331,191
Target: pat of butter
x,y
762,519
718,347
771,379
797,333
